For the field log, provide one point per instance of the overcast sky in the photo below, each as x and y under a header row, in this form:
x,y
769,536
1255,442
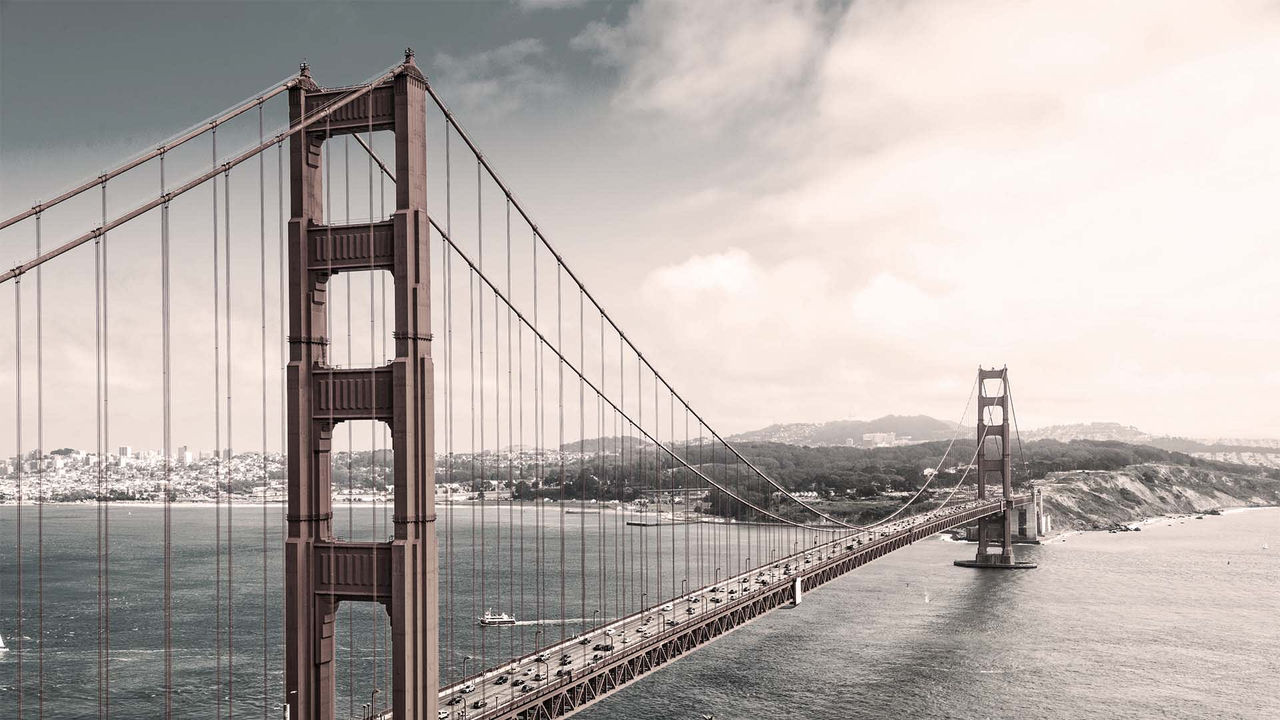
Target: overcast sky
x,y
800,211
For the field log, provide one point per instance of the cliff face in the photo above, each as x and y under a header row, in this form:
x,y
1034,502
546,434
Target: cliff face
x,y
1095,498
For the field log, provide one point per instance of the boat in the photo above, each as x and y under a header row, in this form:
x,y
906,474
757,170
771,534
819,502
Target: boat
x,y
491,618
3,648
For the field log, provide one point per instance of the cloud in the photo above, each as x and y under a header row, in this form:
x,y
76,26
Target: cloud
x,y
712,62
499,81
1081,191
550,4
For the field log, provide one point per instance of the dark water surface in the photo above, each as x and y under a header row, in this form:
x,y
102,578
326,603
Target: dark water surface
x,y
1181,620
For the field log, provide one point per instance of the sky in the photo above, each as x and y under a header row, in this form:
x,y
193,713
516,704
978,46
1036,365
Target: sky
x,y
800,211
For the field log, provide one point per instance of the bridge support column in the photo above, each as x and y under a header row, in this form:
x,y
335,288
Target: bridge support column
x,y
995,529
320,571
798,590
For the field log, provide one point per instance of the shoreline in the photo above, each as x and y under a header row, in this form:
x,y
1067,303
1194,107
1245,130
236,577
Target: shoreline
x,y
1156,519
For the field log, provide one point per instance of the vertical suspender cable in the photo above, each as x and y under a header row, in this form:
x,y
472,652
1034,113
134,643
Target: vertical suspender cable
x,y
106,442
471,377
523,473
564,598
284,346
231,695
373,425
512,444
351,627
638,457
39,480
582,459
166,341
217,444
262,341
539,473
657,495
479,299
622,485
17,407
602,538
450,607
671,426
97,291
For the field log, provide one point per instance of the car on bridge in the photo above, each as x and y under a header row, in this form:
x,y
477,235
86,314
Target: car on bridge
x,y
469,687
479,704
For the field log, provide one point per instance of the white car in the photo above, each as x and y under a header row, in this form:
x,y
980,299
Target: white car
x,y
608,631
469,687
667,607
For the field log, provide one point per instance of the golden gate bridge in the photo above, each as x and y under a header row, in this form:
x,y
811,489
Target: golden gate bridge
x,y
488,369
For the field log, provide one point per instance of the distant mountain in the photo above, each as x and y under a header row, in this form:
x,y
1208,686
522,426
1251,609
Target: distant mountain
x,y
1257,452
903,428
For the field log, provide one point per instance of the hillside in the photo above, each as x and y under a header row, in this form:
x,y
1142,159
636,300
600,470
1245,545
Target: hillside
x,y
848,433
1087,499
1102,431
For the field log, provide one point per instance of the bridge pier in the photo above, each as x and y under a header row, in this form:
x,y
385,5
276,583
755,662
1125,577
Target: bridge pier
x,y
995,529
799,589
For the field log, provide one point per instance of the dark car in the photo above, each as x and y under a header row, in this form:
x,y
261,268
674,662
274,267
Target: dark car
x,y
455,699
478,704
502,680
526,688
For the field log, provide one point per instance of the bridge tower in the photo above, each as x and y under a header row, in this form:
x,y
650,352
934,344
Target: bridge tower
x,y
321,571
994,459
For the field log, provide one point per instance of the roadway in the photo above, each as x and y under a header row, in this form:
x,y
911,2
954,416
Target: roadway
x,y
488,694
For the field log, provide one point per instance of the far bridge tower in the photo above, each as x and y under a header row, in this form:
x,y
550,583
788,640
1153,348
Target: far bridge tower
x,y
994,459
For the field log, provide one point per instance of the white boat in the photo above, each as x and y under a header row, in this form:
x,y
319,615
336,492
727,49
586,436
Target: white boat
x,y
492,618
3,648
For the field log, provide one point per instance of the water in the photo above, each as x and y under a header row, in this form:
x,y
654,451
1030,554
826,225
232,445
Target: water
x,y
1154,624
1177,621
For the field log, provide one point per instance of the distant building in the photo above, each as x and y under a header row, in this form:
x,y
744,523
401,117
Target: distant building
x,y
879,439
126,452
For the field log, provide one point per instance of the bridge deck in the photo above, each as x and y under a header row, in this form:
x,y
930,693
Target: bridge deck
x,y
645,640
